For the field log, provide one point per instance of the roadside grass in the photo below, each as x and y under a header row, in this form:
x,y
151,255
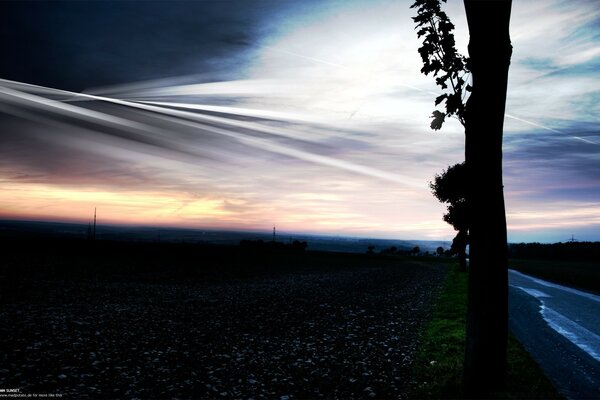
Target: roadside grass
x,y
439,362
581,274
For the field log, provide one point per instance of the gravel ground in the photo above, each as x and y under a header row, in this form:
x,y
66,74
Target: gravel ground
x,y
347,333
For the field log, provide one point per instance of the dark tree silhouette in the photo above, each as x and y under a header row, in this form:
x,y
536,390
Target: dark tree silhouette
x,y
450,68
440,57
450,187
490,50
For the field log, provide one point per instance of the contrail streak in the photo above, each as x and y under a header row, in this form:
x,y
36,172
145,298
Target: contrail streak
x,y
63,108
318,60
138,132
549,129
325,62
187,118
531,123
332,64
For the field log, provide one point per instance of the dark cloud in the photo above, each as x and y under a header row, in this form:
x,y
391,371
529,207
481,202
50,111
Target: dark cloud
x,y
555,166
34,156
89,142
78,44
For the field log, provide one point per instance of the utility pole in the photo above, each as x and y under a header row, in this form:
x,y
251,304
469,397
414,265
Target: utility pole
x,y
274,233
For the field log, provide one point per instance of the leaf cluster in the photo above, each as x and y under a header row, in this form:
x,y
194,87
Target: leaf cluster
x,y
440,58
451,187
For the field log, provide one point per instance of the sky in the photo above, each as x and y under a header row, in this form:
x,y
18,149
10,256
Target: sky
x,y
309,115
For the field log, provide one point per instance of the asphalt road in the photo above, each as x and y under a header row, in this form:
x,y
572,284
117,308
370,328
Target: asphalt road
x,y
560,327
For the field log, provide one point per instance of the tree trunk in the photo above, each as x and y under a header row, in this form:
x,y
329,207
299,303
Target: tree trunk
x,y
487,320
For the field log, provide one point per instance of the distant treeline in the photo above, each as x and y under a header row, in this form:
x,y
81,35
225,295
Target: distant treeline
x,y
296,245
569,251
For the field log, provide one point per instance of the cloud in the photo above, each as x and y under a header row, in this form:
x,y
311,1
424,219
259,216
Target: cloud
x,y
74,45
140,140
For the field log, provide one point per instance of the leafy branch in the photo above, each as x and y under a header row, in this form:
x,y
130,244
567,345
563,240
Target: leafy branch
x,y
440,57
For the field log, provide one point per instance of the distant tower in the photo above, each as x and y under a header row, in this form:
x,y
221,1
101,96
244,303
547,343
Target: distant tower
x,y
572,238
274,233
94,231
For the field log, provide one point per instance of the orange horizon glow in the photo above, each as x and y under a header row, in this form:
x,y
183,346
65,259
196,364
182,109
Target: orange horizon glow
x,y
43,202
125,207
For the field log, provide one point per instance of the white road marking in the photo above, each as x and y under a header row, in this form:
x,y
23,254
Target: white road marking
x,y
557,286
581,337
532,292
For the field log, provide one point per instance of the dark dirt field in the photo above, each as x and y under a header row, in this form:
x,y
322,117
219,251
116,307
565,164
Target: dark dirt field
x,y
181,321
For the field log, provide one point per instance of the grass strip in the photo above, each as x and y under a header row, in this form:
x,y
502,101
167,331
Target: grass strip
x,y
438,365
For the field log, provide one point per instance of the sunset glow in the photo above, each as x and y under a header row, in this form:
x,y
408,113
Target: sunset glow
x,y
122,207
